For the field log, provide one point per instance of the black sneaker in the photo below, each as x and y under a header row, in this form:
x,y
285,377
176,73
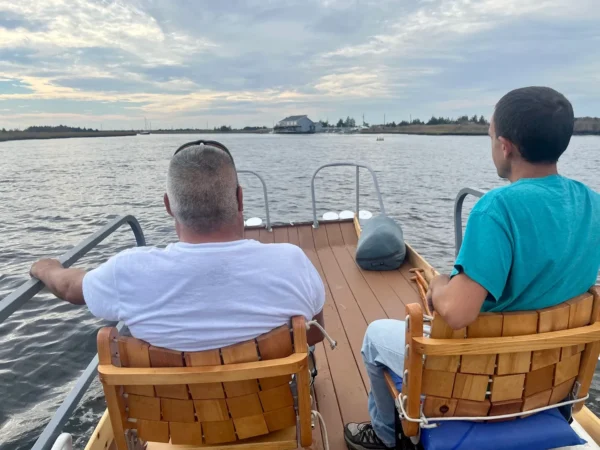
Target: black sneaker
x,y
361,436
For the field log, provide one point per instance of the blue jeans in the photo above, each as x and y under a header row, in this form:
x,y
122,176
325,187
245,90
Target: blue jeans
x,y
382,348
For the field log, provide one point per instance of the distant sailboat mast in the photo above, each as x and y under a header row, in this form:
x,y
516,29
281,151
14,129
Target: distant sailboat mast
x,y
145,127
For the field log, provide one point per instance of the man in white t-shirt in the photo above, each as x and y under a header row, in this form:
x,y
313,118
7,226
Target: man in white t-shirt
x,y
211,289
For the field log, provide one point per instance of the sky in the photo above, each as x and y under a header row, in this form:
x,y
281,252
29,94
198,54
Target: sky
x,y
110,64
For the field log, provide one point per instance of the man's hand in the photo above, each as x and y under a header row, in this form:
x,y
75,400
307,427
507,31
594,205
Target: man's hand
x,y
66,284
436,283
41,267
440,280
429,298
457,300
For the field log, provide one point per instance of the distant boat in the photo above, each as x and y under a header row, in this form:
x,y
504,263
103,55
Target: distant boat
x,y
146,131
380,138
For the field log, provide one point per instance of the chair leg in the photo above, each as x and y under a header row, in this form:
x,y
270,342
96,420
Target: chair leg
x,y
403,442
303,385
398,431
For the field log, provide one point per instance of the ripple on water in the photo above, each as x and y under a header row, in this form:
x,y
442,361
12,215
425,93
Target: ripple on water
x,y
82,184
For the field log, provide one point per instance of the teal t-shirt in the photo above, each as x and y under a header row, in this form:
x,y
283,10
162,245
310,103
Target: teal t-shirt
x,y
533,244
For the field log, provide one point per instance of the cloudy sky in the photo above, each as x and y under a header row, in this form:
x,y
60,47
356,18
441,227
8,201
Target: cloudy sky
x,y
188,63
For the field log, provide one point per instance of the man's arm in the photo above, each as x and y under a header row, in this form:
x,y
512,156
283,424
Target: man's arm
x,y
314,335
457,300
66,284
481,268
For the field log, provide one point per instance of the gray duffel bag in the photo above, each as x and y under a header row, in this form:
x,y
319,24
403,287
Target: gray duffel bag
x,y
381,245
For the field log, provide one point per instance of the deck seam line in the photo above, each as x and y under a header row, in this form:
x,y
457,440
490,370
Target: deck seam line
x,y
337,310
350,287
326,351
337,402
367,283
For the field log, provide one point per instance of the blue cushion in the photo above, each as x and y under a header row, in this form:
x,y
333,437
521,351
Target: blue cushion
x,y
541,431
397,379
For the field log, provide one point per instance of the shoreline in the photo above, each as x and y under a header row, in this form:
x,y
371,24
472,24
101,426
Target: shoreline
x,y
42,135
455,130
35,135
417,130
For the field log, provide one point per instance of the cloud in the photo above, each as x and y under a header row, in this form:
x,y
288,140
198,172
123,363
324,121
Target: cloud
x,y
82,24
254,61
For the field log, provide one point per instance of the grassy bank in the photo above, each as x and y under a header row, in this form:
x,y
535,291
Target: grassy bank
x,y
261,131
469,129
587,125
583,126
23,135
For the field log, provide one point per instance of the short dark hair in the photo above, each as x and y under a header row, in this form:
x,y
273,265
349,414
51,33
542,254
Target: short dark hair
x,y
538,120
202,188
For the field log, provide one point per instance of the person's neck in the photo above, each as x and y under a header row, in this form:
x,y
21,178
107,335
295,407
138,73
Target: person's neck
x,y
191,237
527,170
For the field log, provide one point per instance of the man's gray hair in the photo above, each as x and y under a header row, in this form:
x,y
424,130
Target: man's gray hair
x,y
202,188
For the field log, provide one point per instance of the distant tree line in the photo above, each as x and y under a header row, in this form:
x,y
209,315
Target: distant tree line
x,y
226,128
59,128
348,123
441,121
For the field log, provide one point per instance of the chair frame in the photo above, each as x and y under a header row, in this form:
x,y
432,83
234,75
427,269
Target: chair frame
x,y
418,348
113,377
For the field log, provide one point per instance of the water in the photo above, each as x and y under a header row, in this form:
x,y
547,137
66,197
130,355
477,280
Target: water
x,y
55,193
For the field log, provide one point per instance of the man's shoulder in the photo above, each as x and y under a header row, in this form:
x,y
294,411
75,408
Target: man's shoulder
x,y
143,250
505,197
534,189
136,254
281,248
493,201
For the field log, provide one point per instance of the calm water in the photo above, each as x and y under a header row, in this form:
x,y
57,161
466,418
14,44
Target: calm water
x,y
55,193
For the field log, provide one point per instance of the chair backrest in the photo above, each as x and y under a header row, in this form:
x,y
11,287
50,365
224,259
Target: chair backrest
x,y
502,363
210,397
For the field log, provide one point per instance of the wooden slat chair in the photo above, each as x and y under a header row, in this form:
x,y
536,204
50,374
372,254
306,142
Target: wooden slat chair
x,y
503,363
233,397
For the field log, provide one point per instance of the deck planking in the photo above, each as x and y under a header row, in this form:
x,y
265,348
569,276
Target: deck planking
x,y
354,299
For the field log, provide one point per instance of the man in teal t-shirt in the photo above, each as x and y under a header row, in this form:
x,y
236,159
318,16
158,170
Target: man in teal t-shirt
x,y
532,244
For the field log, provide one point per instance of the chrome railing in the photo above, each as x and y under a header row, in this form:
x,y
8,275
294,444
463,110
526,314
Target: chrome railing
x,y
348,164
458,205
71,401
27,290
266,197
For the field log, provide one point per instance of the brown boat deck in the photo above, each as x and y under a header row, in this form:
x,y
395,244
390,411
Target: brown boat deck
x,y
355,298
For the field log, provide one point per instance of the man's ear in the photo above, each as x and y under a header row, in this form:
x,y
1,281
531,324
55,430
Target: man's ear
x,y
508,148
240,198
168,205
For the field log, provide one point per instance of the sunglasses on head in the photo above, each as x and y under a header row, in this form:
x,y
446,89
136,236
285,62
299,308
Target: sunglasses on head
x,y
207,143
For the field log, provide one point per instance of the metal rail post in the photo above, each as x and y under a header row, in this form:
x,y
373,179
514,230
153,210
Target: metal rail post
x,y
347,164
458,204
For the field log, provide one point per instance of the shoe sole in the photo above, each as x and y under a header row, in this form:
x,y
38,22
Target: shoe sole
x,y
352,446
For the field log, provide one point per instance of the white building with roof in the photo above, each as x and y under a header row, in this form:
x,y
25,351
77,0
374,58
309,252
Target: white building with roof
x,y
295,125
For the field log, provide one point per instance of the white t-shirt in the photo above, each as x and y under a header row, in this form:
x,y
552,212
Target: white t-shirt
x,y
193,297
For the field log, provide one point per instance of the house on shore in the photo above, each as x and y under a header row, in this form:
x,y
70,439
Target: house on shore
x,y
297,125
